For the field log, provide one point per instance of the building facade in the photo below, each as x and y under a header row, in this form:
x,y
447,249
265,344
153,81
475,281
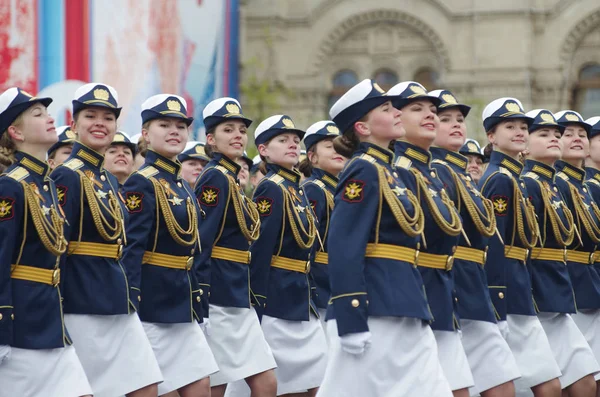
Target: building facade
x,y
299,56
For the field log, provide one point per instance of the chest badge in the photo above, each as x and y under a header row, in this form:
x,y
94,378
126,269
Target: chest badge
x,y
172,196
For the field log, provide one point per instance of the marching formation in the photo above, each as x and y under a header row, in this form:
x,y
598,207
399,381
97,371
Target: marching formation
x,y
392,258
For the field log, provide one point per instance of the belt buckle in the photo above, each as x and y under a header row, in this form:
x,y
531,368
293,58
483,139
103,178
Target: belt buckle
x,y
565,255
120,252
416,257
249,257
592,257
307,267
449,262
485,254
55,277
526,256
189,263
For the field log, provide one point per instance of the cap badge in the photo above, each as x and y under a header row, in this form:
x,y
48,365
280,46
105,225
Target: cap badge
x,y
288,123
332,129
174,105
100,93
232,108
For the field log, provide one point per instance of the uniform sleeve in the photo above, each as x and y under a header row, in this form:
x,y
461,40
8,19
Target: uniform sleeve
x,y
140,200
269,200
68,192
499,189
212,193
445,176
354,215
318,202
11,225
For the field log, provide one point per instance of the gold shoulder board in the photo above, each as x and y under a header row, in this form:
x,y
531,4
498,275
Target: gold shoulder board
x,y
438,161
74,164
276,178
403,162
368,157
148,172
18,174
594,181
222,169
504,171
563,176
532,175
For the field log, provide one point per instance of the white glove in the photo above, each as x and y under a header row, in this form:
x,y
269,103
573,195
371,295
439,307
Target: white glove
x,y
504,331
4,353
356,343
205,325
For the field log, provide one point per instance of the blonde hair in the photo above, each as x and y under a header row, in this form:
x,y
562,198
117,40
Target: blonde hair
x,y
7,145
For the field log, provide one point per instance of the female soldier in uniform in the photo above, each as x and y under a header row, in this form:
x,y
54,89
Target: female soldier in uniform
x,y
36,355
508,279
119,157
490,359
380,342
100,294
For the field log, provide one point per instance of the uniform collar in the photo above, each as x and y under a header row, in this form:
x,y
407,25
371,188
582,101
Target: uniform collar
x,y
542,170
575,173
382,155
227,163
456,159
163,163
418,157
87,155
502,160
592,173
326,177
289,175
33,165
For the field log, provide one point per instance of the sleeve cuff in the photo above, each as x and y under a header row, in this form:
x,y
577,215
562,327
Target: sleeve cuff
x,y
498,295
351,313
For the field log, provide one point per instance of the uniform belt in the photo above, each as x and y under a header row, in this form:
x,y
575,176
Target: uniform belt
x,y
322,258
517,253
395,252
471,254
293,265
169,261
230,254
96,249
35,274
549,254
436,261
585,258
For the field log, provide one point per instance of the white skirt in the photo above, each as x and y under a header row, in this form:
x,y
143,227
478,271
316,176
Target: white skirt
x,y
114,351
401,361
453,359
238,344
48,373
571,351
322,316
531,349
182,353
490,358
588,322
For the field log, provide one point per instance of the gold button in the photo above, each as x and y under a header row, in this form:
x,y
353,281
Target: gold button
x,y
1,316
522,185
395,174
201,292
456,300
432,173
139,298
179,184
12,316
102,178
45,188
209,297
584,190
197,299
454,249
301,193
501,295
355,303
119,241
555,189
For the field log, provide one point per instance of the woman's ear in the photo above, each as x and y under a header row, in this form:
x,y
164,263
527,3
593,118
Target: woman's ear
x,y
362,128
15,134
262,150
210,139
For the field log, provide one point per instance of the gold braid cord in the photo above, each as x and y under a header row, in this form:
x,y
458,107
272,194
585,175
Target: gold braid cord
x,y
241,206
50,231
452,227
484,223
180,236
583,215
295,221
411,225
530,219
109,230
564,233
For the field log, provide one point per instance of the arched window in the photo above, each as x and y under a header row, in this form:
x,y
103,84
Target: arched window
x,y
586,95
342,82
386,78
429,78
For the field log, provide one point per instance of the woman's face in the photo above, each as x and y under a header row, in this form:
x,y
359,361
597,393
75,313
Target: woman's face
x,y
475,167
545,145
283,150
230,138
167,136
36,128
510,137
191,170
244,174
575,143
421,122
452,130
118,160
594,152
325,157
382,124
96,127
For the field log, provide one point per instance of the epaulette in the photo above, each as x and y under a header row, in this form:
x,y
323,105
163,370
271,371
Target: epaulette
x,y
18,174
368,158
403,162
505,171
277,179
148,172
73,164
563,176
531,175
222,169
438,161
594,181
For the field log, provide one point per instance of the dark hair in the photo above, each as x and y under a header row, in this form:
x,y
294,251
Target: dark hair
x,y
305,167
487,150
210,149
262,167
347,143
142,147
